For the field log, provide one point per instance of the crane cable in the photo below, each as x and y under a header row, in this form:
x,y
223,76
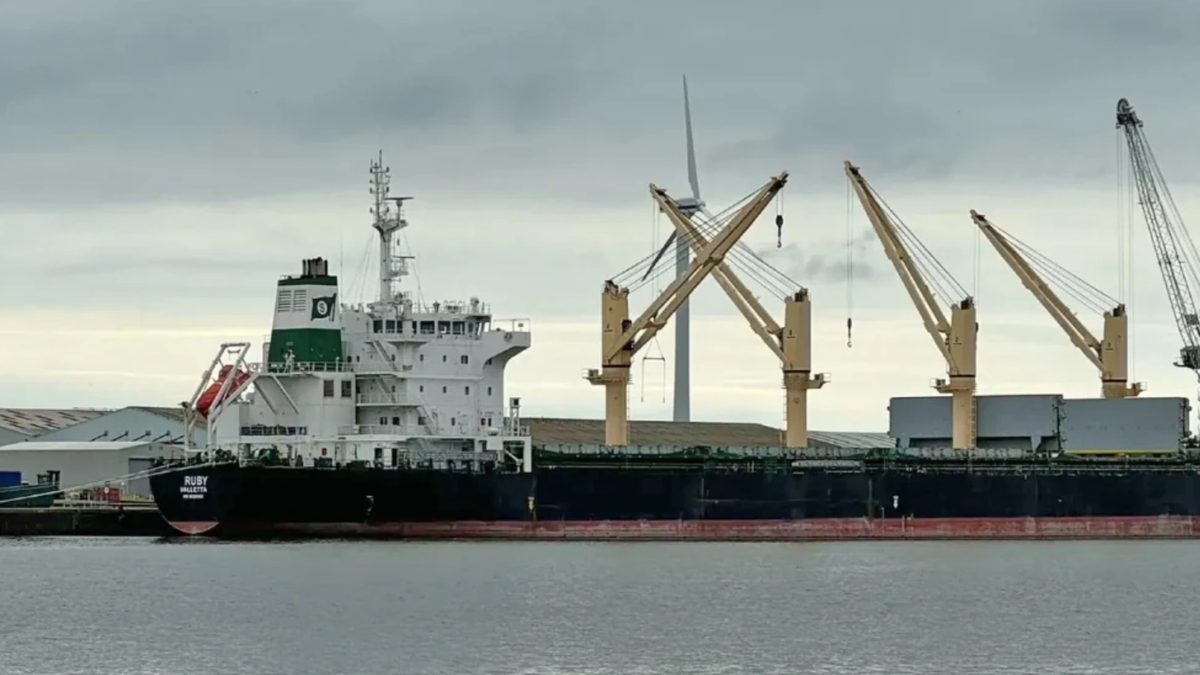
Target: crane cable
x,y
779,219
849,264
1126,199
655,225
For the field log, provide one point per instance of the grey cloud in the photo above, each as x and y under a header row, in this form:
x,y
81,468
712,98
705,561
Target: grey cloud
x,y
223,100
1110,25
826,263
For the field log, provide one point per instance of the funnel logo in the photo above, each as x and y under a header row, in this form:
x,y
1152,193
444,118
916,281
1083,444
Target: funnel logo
x,y
322,308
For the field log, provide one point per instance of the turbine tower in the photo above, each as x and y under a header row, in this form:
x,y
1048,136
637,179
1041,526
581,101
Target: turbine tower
x,y
683,254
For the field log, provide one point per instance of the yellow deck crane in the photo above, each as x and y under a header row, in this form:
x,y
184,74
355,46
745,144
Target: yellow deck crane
x,y
791,343
621,338
956,338
1110,357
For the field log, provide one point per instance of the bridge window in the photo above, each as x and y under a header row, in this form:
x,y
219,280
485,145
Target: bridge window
x,y
467,391
443,358
443,390
328,388
464,359
347,388
489,391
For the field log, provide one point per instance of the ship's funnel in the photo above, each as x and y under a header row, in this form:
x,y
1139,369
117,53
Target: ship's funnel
x,y
306,332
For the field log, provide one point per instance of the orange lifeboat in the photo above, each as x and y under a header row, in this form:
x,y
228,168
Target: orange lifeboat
x,y
209,398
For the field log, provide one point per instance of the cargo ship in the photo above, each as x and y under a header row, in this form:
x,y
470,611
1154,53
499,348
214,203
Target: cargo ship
x,y
390,419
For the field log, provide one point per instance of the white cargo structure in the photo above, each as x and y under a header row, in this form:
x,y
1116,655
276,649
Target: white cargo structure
x,y
89,464
1049,422
135,424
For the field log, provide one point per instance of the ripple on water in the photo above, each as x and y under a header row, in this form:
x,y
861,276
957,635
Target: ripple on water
x,y
146,606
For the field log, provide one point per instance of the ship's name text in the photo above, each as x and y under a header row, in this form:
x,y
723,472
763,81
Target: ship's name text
x,y
194,487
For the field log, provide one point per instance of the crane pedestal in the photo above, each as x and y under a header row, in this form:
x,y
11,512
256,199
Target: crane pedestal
x,y
796,344
960,342
614,375
1114,357
616,402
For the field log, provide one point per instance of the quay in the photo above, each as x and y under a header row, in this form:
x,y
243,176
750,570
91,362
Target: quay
x,y
84,521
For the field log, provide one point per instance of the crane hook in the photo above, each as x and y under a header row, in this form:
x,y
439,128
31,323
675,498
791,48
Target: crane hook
x,y
779,230
849,327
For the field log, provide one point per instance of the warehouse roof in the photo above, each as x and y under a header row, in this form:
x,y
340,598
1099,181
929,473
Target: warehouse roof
x,y
170,413
850,439
74,446
585,431
40,420
174,414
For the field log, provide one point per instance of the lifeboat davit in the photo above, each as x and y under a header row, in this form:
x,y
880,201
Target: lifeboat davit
x,y
209,398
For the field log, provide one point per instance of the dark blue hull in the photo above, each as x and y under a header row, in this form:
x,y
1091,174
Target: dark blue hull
x,y
884,500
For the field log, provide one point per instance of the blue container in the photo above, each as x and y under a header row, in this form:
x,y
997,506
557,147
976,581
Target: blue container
x,y
10,478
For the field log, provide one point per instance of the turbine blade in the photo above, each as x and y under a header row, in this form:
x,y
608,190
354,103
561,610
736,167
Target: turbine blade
x,y
693,176
666,245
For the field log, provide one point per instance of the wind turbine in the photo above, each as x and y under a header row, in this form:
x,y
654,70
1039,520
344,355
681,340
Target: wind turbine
x,y
683,257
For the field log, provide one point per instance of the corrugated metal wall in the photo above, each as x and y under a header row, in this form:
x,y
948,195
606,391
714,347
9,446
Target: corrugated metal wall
x,y
1047,422
1025,421
77,467
1131,424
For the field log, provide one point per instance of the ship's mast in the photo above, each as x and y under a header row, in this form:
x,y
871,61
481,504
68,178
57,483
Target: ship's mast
x,y
388,221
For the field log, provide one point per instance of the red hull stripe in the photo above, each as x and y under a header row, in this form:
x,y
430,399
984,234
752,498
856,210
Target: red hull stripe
x,y
1150,527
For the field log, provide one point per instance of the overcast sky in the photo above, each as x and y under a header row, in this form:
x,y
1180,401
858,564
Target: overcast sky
x,y
161,164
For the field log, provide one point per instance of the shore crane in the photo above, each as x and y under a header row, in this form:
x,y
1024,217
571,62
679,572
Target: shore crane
x,y
1173,246
1110,356
955,338
621,338
791,343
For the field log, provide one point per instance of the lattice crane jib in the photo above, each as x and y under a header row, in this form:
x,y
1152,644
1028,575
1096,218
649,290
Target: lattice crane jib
x,y
1174,249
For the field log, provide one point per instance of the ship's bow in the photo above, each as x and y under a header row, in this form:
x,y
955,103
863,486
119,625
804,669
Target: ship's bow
x,y
189,497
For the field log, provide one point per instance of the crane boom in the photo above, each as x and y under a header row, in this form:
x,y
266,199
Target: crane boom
x,y
622,338
1173,246
751,309
1110,357
955,339
791,344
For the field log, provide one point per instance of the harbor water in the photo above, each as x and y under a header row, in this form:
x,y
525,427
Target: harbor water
x,y
147,606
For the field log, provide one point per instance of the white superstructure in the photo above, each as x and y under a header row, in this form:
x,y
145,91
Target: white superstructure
x,y
393,382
